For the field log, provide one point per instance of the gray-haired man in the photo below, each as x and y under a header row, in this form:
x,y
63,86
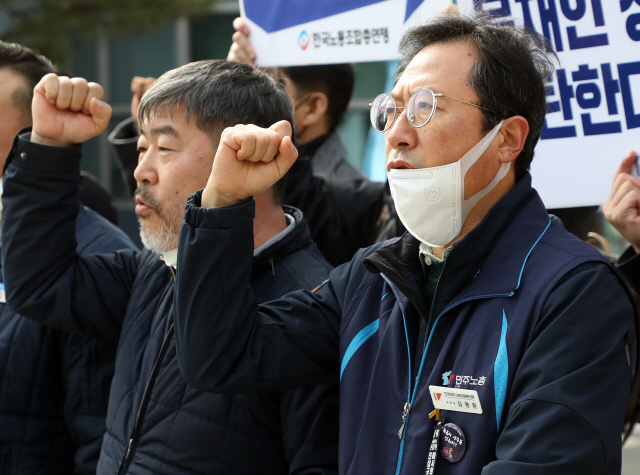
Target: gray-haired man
x,y
156,423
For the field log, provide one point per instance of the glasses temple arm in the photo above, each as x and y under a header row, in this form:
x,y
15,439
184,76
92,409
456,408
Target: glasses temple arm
x,y
439,94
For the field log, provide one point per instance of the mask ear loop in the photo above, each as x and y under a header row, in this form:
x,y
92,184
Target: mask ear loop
x,y
472,157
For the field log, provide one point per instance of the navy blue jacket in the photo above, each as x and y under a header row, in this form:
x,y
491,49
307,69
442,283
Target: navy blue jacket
x,y
54,386
524,313
156,422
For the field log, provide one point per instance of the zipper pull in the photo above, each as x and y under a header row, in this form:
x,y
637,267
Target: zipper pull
x,y
405,412
128,449
273,271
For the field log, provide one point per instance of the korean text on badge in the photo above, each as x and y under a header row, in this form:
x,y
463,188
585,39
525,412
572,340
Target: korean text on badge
x,y
454,399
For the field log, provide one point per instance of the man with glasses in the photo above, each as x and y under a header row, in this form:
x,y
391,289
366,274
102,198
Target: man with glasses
x,y
486,339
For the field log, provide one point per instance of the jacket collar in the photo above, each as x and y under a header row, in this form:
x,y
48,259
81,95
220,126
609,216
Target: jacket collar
x,y
286,242
326,151
488,261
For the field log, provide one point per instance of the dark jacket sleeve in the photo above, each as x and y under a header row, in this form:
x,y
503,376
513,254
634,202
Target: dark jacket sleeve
x,y
309,417
572,385
124,142
87,370
88,364
46,280
225,342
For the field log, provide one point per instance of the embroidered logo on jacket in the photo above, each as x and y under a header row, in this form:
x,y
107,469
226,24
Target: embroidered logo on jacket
x,y
449,377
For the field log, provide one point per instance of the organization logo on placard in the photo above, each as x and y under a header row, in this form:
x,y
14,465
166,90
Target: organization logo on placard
x,y
303,40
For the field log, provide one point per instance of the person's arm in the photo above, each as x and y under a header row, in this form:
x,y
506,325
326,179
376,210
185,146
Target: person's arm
x,y
124,137
124,143
572,386
225,341
309,418
87,370
46,280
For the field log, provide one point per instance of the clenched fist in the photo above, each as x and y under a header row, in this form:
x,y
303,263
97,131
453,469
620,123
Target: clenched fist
x,y
622,208
249,161
67,111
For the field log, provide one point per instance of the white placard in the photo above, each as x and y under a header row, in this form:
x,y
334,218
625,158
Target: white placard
x,y
299,32
594,96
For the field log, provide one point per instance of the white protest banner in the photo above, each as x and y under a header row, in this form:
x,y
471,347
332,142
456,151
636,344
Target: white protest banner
x,y
594,95
298,32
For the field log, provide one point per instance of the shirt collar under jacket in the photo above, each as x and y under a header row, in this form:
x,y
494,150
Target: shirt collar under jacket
x,y
171,257
427,256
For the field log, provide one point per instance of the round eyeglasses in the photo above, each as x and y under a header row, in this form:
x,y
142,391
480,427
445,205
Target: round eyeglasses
x,y
420,109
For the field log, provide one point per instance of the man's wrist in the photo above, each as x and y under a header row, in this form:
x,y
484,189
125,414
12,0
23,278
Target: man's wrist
x,y
213,199
42,140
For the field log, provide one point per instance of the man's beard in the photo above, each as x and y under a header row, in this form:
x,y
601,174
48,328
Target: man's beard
x,y
164,237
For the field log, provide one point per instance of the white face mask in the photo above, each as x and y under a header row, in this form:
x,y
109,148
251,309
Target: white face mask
x,y
430,201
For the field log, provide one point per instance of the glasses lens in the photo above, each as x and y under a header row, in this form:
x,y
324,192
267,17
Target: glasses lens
x,y
383,110
420,108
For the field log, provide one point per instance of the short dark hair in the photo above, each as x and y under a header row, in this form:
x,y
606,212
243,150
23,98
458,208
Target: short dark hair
x,y
334,80
220,94
508,76
28,64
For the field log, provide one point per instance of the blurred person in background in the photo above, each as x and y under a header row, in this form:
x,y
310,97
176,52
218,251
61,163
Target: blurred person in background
x,y
54,385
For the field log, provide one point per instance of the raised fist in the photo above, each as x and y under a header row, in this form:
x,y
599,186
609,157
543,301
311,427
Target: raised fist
x,y
622,208
249,161
67,111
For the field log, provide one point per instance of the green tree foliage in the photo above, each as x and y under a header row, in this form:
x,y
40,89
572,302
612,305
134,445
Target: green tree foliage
x,y
49,26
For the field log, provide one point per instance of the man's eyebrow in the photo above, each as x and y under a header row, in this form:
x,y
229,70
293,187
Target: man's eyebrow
x,y
162,130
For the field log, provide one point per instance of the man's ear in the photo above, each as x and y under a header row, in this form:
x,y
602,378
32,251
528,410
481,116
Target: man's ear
x,y
314,109
514,133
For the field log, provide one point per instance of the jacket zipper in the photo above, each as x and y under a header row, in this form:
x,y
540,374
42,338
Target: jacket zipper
x,y
412,394
405,414
125,461
134,434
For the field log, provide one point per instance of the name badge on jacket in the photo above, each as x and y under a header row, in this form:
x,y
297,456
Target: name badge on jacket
x,y
454,399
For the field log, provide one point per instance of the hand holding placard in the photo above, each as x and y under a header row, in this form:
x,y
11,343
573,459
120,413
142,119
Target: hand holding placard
x,y
622,208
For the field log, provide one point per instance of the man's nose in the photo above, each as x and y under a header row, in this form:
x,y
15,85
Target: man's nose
x,y
146,172
401,135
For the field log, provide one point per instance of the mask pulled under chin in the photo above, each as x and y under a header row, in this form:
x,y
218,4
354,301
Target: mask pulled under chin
x,y
430,201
